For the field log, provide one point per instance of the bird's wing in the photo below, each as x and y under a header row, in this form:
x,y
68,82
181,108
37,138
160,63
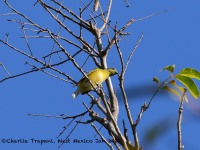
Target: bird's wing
x,y
92,71
87,83
88,74
84,82
82,79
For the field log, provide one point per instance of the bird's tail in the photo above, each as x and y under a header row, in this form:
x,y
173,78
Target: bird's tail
x,y
76,93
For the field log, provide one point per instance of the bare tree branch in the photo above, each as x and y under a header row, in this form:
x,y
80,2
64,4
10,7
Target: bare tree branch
x,y
107,16
70,42
112,42
121,84
84,24
105,141
180,145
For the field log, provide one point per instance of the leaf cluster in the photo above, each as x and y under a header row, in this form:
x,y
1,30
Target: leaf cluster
x,y
186,77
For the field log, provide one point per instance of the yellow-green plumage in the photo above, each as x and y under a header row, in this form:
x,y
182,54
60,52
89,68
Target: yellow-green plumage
x,y
96,76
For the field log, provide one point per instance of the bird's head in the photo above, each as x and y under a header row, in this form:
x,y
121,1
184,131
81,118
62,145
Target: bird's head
x,y
112,71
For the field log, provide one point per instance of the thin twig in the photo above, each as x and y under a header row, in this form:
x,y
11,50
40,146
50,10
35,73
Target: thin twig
x,y
127,3
50,74
112,42
125,131
107,16
154,14
17,75
132,52
81,28
86,6
7,14
26,39
115,142
85,61
98,130
71,131
146,106
105,141
96,16
21,52
63,116
65,127
84,24
34,30
48,116
59,30
5,69
58,51
18,13
73,82
25,23
36,36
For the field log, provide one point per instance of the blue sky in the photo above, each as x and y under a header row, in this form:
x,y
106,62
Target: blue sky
x,y
169,38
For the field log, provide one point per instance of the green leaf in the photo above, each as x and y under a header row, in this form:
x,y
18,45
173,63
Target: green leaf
x,y
180,88
171,90
190,72
189,84
170,68
155,79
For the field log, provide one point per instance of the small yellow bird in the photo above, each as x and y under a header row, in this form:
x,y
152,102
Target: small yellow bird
x,y
96,76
